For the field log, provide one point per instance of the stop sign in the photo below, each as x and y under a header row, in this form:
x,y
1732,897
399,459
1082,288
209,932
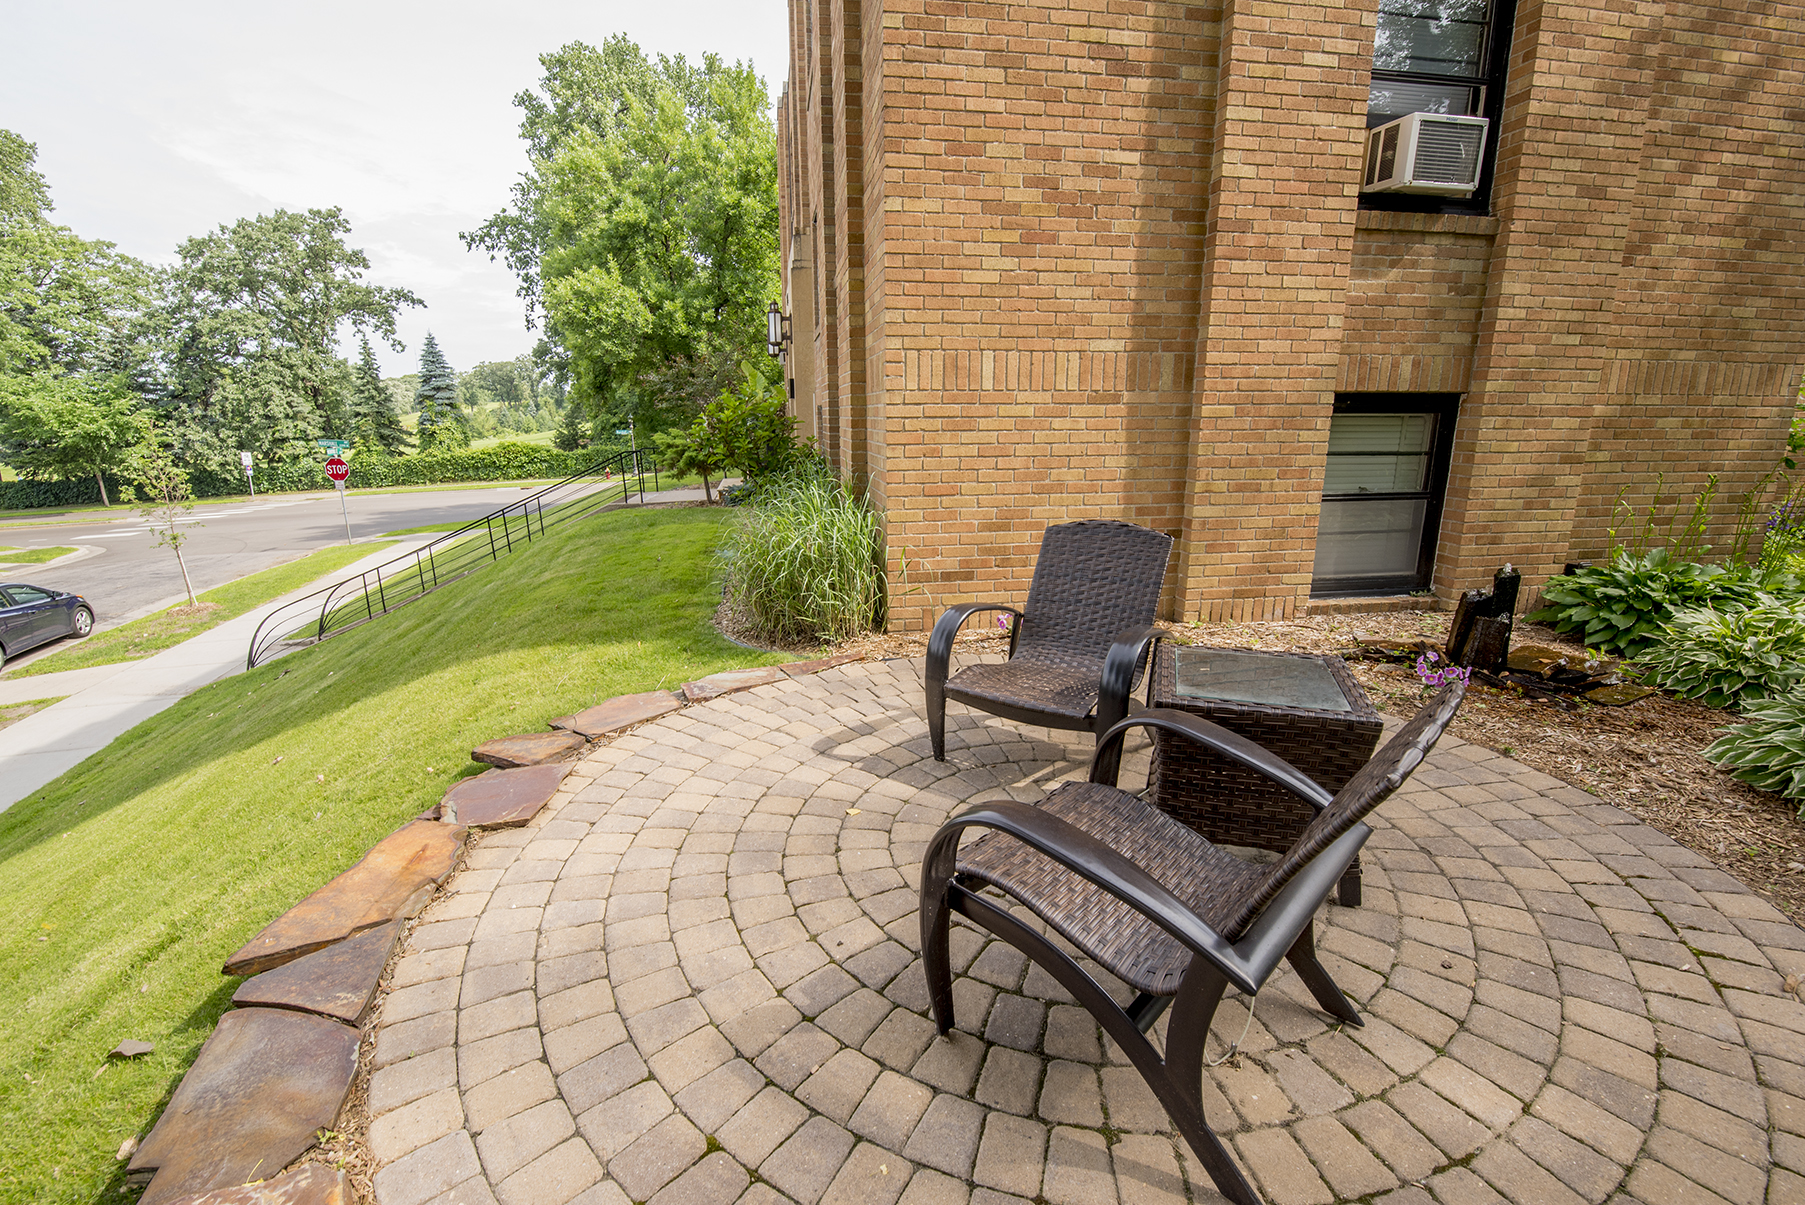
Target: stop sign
x,y
337,469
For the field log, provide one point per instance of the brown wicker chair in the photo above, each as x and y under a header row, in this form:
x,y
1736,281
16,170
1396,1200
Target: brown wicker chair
x,y
1158,906
1077,649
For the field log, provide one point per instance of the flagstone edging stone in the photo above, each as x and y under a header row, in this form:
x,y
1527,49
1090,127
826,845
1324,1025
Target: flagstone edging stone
x,y
254,1098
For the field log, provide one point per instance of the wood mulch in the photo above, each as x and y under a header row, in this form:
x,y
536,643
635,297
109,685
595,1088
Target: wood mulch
x,y
1644,758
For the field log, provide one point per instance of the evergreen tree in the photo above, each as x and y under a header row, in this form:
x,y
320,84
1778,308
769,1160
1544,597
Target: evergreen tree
x,y
573,433
437,398
373,416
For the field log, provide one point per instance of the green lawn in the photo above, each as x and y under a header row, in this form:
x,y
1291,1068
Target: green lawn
x,y
154,633
32,556
126,882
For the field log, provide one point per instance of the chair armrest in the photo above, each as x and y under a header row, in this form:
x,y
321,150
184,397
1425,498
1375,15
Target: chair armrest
x,y
940,641
1117,682
1105,766
1072,847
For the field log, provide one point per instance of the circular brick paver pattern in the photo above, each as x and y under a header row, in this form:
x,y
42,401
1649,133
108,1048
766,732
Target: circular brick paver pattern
x,y
694,980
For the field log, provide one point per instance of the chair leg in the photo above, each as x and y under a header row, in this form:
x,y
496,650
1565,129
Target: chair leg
x,y
1177,1079
937,719
1192,1013
1302,956
936,960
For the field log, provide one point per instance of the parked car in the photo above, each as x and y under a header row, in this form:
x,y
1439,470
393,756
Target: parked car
x,y
33,615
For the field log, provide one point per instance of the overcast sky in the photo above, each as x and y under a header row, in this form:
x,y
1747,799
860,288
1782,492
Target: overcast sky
x,y
156,122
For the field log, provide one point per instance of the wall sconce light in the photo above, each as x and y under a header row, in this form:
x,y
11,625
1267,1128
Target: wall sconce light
x,y
777,331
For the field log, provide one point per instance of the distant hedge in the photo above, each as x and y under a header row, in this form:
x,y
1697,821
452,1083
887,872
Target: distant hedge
x,y
500,462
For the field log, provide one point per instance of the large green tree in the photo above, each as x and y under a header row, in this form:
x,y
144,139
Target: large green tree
x,y
67,304
255,312
647,229
583,89
70,426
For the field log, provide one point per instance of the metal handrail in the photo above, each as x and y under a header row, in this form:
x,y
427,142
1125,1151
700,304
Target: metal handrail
x,y
413,575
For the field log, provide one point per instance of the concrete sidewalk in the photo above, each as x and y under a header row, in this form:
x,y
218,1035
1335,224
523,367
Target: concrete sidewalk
x,y
109,700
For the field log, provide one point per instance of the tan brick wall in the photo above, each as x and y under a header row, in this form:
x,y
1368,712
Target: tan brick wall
x,y
1044,176
1288,135
1105,259
1571,141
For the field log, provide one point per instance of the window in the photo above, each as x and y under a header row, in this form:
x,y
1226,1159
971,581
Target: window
x,y
1440,56
1382,492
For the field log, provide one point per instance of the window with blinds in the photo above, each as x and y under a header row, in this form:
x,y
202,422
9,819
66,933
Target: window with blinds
x,y
1382,493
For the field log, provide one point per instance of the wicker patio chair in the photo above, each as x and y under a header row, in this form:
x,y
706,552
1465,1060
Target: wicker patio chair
x,y
1158,906
1077,648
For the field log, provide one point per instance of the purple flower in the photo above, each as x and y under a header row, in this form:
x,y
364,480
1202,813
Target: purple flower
x,y
1426,669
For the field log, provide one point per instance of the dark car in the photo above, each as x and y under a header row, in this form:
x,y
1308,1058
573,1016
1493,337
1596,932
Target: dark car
x,y
32,615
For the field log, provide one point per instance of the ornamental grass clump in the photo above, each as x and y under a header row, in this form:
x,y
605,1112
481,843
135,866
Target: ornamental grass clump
x,y
1767,750
805,561
1730,657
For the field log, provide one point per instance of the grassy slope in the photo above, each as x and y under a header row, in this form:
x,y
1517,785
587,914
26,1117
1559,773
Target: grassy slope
x,y
154,633
127,882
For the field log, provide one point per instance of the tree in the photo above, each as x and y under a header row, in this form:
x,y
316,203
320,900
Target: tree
x,y
745,428
572,432
168,502
373,408
584,89
24,196
646,232
66,303
437,400
255,310
63,426
662,247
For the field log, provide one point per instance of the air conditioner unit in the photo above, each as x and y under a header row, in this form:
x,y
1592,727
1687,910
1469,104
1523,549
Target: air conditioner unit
x,y
1434,153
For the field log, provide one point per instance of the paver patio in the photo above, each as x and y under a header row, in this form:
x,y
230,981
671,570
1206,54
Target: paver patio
x,y
693,979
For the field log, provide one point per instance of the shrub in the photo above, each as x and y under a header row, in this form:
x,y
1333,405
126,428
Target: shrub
x,y
1620,606
1767,750
805,561
1728,658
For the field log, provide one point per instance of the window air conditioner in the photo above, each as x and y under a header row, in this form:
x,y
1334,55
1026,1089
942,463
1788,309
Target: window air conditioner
x,y
1434,153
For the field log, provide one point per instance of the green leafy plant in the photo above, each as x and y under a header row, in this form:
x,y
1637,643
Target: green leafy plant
x,y
1620,606
806,561
1729,658
1767,750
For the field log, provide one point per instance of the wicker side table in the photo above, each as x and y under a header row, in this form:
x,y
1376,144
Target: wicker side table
x,y
1286,702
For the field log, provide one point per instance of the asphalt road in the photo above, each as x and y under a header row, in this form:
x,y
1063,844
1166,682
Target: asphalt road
x,y
124,573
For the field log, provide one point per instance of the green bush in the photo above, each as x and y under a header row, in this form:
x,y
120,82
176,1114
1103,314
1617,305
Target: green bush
x,y
1729,658
506,461
805,561
1620,606
1767,750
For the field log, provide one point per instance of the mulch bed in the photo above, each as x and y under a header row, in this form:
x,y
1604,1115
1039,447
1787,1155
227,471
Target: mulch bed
x,y
1644,758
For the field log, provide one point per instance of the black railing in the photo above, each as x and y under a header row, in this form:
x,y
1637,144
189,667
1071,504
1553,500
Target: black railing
x,y
609,482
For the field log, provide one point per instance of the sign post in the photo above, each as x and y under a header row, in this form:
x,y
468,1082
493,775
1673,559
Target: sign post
x,y
338,470
245,459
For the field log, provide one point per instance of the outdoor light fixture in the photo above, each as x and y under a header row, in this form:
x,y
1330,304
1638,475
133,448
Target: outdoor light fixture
x,y
777,331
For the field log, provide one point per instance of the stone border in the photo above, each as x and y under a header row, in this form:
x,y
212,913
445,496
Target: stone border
x,y
252,1101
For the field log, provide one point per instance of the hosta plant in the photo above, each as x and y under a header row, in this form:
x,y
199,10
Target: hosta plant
x,y
1767,750
1729,658
1619,606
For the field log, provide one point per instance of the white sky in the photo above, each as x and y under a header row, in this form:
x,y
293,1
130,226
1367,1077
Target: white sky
x,y
158,122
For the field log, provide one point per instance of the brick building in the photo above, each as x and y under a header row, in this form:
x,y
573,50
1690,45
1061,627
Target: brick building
x,y
1113,259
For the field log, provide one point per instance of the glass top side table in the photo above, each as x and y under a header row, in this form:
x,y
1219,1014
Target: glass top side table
x,y
1307,709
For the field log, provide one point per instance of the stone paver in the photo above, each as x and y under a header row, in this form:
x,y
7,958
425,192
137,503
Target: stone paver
x,y
693,977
